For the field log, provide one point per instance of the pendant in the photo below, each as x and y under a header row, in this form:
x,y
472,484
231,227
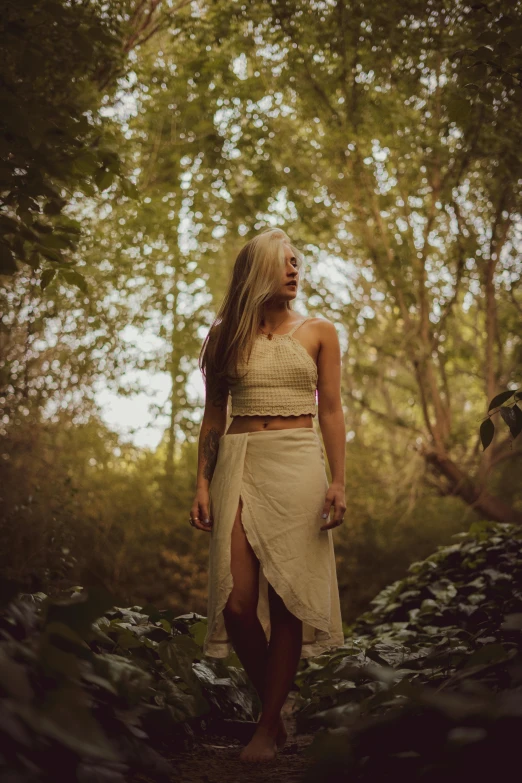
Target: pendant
x,y
269,335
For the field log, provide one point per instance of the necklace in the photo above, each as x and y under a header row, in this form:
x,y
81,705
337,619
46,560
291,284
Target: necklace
x,y
271,332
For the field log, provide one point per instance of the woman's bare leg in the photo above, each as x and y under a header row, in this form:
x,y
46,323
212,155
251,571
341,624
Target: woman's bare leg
x,y
284,651
240,614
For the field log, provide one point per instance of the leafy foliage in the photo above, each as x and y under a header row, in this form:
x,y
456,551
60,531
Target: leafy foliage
x,y
51,142
511,414
428,681
89,690
426,684
493,64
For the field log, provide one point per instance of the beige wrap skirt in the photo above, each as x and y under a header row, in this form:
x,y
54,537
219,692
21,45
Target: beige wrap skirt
x,y
281,478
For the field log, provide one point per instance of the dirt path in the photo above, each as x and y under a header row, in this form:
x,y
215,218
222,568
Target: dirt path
x,y
216,760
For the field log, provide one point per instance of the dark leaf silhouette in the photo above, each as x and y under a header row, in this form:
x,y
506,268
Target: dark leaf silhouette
x,y
513,418
487,430
499,399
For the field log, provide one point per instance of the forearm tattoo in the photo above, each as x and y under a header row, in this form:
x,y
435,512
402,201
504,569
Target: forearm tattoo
x,y
210,452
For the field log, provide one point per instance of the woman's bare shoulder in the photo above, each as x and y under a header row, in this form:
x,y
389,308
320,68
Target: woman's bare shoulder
x,y
324,328
319,319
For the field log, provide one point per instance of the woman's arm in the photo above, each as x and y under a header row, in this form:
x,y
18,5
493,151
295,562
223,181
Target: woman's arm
x,y
212,428
331,420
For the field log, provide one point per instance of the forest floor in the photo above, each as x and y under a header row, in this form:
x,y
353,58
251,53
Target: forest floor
x,y
216,759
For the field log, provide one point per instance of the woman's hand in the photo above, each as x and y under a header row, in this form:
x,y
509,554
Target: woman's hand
x,y
335,498
200,511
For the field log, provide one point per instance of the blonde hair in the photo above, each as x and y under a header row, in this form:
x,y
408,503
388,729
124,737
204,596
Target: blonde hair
x,y
256,277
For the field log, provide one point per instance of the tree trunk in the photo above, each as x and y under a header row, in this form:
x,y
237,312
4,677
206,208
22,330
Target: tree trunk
x,y
491,331
174,371
489,506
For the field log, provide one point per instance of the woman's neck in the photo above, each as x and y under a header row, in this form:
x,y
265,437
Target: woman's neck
x,y
273,315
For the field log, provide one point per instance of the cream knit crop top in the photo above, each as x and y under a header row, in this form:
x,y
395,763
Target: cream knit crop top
x,y
281,378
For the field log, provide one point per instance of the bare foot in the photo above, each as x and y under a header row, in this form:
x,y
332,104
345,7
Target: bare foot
x,y
262,746
282,734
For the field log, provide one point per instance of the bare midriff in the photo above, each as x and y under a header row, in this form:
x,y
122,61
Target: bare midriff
x,y
255,423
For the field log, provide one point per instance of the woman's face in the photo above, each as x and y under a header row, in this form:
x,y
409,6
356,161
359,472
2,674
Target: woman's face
x,y
290,277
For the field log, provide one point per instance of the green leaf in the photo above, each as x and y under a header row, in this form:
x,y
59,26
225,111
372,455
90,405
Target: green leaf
x,y
131,681
488,37
489,653
80,611
7,261
54,206
505,21
54,240
88,188
19,249
43,229
50,253
513,418
85,163
76,279
112,163
513,38
512,622
33,260
69,226
8,225
104,179
479,71
198,632
177,655
68,721
27,204
483,52
487,430
13,678
517,429
129,189
47,277
66,639
499,399
127,640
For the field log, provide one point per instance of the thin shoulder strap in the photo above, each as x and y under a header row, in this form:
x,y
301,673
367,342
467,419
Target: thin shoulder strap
x,y
296,327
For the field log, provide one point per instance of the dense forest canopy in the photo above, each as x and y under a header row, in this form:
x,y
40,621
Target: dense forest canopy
x,y
142,144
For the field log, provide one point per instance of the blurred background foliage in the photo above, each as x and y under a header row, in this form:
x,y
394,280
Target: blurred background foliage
x,y
141,145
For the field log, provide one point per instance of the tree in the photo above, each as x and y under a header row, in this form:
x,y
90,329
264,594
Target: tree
x,y
61,65
420,198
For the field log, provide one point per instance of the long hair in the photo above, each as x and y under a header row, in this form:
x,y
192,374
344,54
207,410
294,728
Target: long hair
x,y
256,277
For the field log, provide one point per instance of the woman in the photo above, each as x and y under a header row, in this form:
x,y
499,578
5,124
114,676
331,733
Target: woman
x,y
262,490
